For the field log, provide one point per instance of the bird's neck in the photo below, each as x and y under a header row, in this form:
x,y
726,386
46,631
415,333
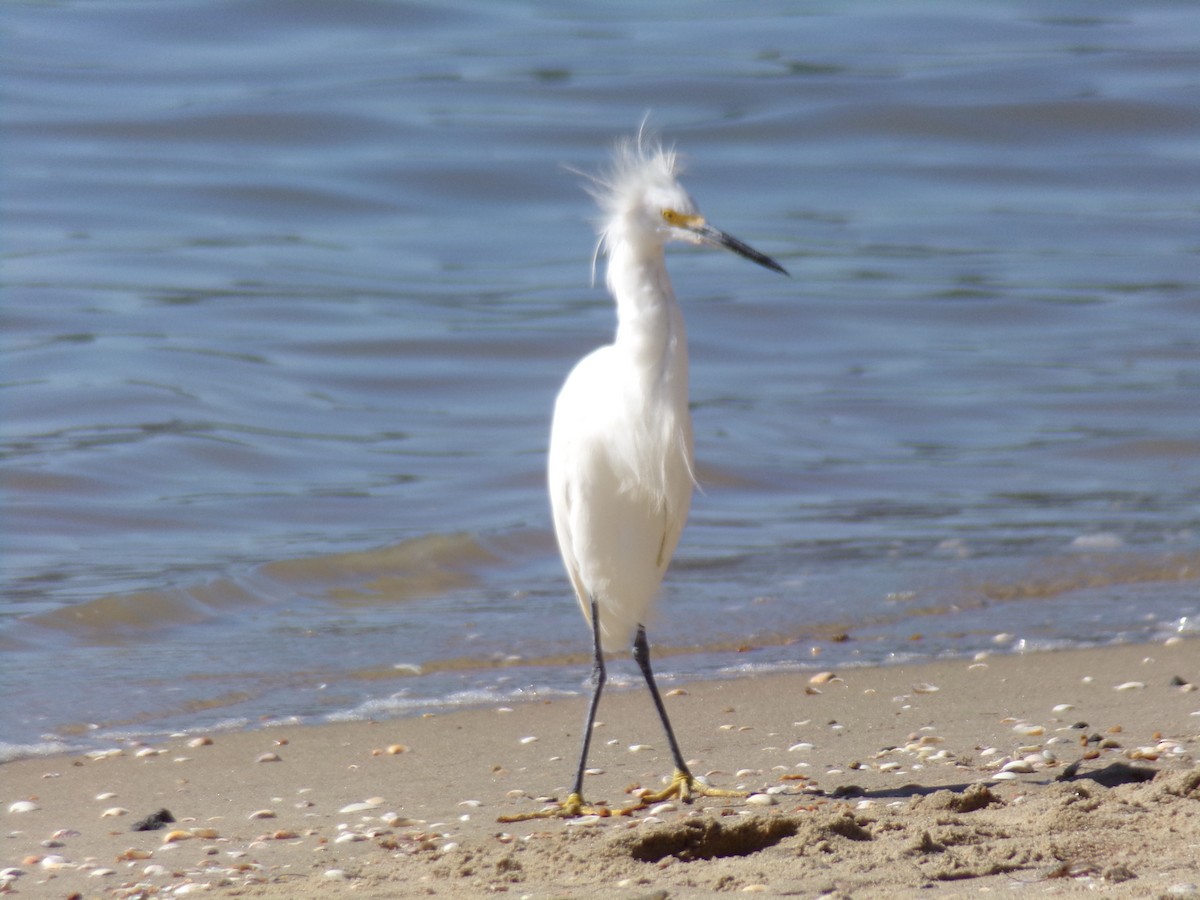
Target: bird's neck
x,y
650,325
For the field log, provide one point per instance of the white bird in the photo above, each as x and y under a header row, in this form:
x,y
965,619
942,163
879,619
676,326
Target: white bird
x,y
620,463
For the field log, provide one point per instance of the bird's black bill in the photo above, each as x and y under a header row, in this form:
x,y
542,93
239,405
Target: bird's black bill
x,y
729,242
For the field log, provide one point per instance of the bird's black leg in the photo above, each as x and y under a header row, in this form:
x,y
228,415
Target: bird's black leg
x,y
683,785
574,805
641,654
599,676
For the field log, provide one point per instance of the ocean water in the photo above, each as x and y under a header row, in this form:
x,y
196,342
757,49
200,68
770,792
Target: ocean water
x,y
288,289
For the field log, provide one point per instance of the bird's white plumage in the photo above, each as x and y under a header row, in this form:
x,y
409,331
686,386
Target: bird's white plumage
x,y
620,467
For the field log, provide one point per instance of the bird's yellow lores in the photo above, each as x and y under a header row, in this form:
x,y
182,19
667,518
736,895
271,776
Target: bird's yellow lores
x,y
620,467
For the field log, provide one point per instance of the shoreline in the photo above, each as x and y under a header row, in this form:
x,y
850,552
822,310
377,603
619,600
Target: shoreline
x,y
877,777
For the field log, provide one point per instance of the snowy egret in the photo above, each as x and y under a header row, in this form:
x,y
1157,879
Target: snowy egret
x,y
620,465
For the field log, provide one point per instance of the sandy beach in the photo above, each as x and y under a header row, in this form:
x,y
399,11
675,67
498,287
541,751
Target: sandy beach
x,y
1050,773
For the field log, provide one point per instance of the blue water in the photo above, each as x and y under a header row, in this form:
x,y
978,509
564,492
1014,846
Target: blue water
x,y
288,290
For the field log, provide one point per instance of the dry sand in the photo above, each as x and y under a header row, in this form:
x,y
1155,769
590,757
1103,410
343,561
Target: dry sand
x,y
884,785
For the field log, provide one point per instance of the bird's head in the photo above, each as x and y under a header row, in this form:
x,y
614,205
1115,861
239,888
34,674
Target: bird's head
x,y
644,204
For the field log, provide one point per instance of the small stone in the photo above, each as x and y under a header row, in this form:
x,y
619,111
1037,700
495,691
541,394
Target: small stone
x,y
154,821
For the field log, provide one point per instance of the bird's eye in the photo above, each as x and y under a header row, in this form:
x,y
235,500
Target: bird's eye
x,y
671,217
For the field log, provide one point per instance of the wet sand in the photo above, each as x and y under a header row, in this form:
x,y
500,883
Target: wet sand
x,y
1051,773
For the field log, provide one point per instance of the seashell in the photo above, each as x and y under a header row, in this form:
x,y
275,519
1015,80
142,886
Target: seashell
x,y
761,800
662,808
107,795
470,803
336,875
133,853
579,822
284,835
155,869
23,806
396,749
1029,730
1004,776
357,807
676,692
529,740
207,834
822,678
1017,765
100,873
148,751
1130,686
114,811
795,748
200,742
179,834
53,861
639,748
348,837
266,814
269,757
925,688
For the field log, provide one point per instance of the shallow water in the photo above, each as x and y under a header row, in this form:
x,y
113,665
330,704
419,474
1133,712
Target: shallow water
x,y
288,289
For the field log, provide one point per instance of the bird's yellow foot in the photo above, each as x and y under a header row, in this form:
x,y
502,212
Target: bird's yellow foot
x,y
571,808
685,787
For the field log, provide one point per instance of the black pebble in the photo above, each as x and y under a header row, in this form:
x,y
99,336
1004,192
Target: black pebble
x,y
154,821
